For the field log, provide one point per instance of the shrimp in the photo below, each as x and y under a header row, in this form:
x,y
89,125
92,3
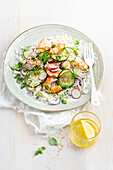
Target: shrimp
x,y
48,82
79,62
44,44
57,48
53,74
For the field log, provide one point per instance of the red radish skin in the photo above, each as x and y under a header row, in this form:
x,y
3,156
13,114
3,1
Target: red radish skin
x,y
77,91
42,75
52,67
30,88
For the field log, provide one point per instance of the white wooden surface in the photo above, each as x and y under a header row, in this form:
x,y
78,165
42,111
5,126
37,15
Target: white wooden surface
x,y
17,140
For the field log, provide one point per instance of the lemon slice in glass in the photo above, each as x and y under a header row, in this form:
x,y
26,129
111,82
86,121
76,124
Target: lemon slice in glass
x,y
88,129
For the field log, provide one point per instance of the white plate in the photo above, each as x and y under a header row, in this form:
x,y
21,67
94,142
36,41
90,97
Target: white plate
x,y
33,35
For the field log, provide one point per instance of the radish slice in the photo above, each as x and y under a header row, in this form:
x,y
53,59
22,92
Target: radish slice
x,y
81,82
66,64
32,54
76,94
52,66
30,88
53,101
26,67
42,75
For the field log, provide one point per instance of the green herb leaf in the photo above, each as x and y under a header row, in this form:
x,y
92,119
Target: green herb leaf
x,y
36,72
27,48
76,42
18,75
22,85
53,142
53,46
41,63
39,151
39,94
46,87
19,80
64,101
53,94
62,97
19,65
75,75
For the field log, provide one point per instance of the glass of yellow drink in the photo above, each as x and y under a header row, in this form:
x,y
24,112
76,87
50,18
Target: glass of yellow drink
x,y
85,129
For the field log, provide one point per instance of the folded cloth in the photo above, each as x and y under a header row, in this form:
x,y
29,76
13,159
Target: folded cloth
x,y
43,122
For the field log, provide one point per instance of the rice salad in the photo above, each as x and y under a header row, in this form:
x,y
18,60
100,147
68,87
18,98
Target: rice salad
x,y
52,70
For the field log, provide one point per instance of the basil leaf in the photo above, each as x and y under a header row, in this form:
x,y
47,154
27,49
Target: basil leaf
x,y
39,151
53,142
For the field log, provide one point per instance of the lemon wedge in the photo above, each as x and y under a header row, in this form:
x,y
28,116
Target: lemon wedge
x,y
88,129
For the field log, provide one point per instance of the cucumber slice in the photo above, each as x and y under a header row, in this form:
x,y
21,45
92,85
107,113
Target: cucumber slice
x,y
72,53
40,50
66,79
32,78
63,71
61,56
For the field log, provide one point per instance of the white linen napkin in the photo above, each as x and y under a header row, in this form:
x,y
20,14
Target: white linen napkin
x,y
43,122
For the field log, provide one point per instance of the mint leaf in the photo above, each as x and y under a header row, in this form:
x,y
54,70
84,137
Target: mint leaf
x,y
75,75
76,42
53,46
53,142
39,151
46,87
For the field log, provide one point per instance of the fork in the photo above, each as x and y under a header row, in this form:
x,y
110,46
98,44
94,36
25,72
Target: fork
x,y
89,59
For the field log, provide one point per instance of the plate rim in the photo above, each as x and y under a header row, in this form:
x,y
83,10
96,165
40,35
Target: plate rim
x,y
62,26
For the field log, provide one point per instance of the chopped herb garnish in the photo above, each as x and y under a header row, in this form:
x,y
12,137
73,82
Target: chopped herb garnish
x,y
19,65
53,46
75,75
36,72
53,142
53,94
39,151
41,63
64,101
27,48
22,85
39,94
76,42
18,75
46,87
19,80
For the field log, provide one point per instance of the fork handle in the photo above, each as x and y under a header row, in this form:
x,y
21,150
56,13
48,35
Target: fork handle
x,y
95,101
